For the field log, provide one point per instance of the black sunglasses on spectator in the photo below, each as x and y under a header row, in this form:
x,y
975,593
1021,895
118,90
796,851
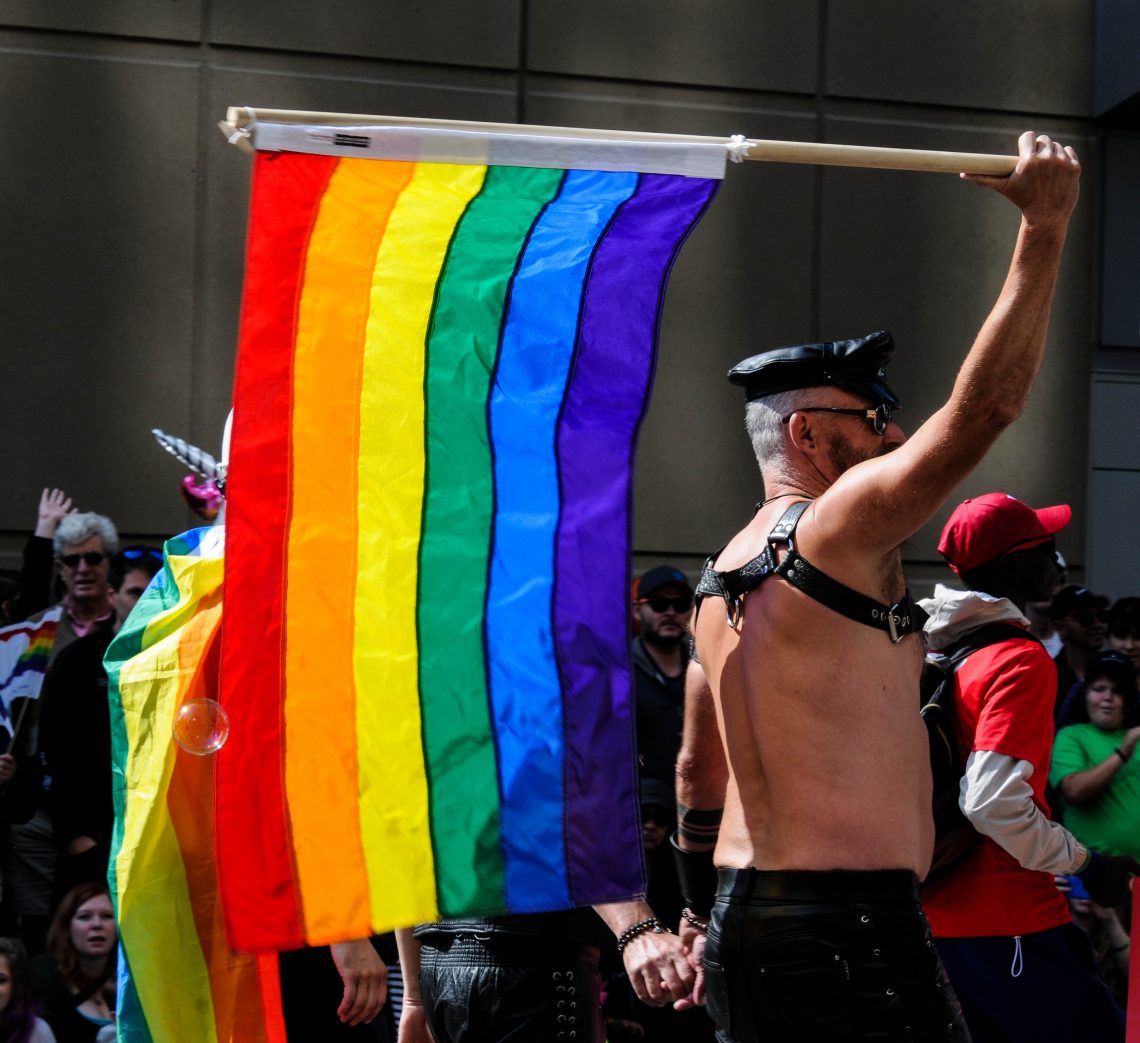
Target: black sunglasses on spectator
x,y
91,557
662,604
1089,616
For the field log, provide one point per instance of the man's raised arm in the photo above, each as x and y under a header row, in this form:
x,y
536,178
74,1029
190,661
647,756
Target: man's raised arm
x,y
993,385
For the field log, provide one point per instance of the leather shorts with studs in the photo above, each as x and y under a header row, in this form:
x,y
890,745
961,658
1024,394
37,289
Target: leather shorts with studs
x,y
496,985
837,955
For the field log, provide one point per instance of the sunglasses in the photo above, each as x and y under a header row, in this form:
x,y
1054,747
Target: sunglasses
x,y
658,815
1088,617
878,417
661,604
91,557
134,553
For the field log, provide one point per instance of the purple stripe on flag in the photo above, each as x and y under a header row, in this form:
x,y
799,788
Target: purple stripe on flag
x,y
602,411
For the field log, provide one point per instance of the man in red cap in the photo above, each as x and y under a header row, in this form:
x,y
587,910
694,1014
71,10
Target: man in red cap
x,y
1022,970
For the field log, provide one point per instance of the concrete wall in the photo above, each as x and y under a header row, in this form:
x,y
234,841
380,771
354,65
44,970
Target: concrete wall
x,y
122,213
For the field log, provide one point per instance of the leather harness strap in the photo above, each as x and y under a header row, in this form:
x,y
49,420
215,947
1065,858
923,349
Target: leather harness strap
x,y
902,618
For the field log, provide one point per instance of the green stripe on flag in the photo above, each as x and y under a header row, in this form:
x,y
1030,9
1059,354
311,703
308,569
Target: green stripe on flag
x,y
462,345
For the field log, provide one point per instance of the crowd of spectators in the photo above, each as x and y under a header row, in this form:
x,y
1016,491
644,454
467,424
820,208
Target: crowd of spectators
x,y
57,931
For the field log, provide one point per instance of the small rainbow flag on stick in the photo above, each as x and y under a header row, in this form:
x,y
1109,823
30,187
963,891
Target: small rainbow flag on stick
x,y
442,370
24,652
177,977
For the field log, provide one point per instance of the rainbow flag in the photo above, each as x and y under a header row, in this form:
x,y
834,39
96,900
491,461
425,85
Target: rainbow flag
x,y
442,371
177,976
24,652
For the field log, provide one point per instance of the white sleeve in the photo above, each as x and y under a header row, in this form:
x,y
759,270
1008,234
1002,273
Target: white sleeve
x,y
998,800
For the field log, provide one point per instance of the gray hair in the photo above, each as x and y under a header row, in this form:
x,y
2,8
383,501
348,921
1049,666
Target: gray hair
x,y
763,420
78,528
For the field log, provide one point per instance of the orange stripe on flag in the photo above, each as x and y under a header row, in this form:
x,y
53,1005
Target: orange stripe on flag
x,y
320,697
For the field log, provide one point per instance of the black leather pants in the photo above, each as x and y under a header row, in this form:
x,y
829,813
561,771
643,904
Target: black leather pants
x,y
837,956
503,988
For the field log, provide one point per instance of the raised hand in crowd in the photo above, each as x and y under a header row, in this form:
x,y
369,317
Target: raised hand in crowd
x,y
55,505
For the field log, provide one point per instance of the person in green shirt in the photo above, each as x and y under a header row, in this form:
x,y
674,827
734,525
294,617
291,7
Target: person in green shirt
x,y
1093,766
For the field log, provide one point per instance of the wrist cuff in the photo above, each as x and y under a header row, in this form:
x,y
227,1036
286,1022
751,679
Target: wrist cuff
x,y
697,877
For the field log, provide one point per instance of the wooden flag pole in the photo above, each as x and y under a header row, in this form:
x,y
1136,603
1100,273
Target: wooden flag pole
x,y
879,158
18,724
240,121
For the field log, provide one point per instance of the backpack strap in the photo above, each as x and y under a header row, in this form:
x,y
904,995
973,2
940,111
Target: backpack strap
x,y
990,634
902,618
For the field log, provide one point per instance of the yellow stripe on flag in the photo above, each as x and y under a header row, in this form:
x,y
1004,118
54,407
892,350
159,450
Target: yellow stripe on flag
x,y
392,775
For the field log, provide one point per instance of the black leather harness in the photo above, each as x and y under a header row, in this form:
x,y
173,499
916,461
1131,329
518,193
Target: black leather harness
x,y
902,618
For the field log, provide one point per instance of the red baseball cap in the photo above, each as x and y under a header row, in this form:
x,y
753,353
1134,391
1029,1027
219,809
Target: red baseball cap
x,y
989,526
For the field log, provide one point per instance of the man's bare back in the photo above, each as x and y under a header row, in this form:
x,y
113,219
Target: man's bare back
x,y
828,764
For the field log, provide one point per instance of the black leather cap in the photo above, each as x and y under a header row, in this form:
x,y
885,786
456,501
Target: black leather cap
x,y
859,364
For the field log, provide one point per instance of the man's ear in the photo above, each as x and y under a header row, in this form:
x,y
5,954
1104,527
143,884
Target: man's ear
x,y
803,433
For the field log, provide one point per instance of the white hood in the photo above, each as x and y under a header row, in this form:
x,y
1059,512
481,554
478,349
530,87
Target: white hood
x,y
954,613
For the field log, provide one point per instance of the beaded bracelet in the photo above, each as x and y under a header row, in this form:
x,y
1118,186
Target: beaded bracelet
x,y
696,921
652,924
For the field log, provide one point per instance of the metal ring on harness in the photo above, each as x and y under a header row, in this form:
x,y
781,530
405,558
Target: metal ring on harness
x,y
732,611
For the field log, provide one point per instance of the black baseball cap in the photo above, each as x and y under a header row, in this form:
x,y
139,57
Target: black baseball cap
x,y
1074,598
662,576
1116,667
859,364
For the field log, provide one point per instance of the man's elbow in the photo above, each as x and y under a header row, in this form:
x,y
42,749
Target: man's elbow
x,y
1076,795
700,781
995,415
687,770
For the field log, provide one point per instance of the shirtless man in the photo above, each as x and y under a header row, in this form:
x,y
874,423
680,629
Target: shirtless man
x,y
816,930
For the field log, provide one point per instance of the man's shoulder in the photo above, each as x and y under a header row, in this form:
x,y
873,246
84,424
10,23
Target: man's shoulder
x,y
56,610
1012,664
641,661
90,646
1078,736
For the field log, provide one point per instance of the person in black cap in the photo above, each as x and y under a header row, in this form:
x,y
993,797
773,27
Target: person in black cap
x,y
663,604
812,651
1081,619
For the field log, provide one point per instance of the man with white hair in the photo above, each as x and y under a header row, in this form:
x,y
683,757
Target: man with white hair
x,y
82,545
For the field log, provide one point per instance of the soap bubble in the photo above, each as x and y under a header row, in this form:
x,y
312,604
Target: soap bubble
x,y
201,726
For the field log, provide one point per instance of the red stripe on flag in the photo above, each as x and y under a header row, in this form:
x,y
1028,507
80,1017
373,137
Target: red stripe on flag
x,y
271,1010
255,867
1133,1033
